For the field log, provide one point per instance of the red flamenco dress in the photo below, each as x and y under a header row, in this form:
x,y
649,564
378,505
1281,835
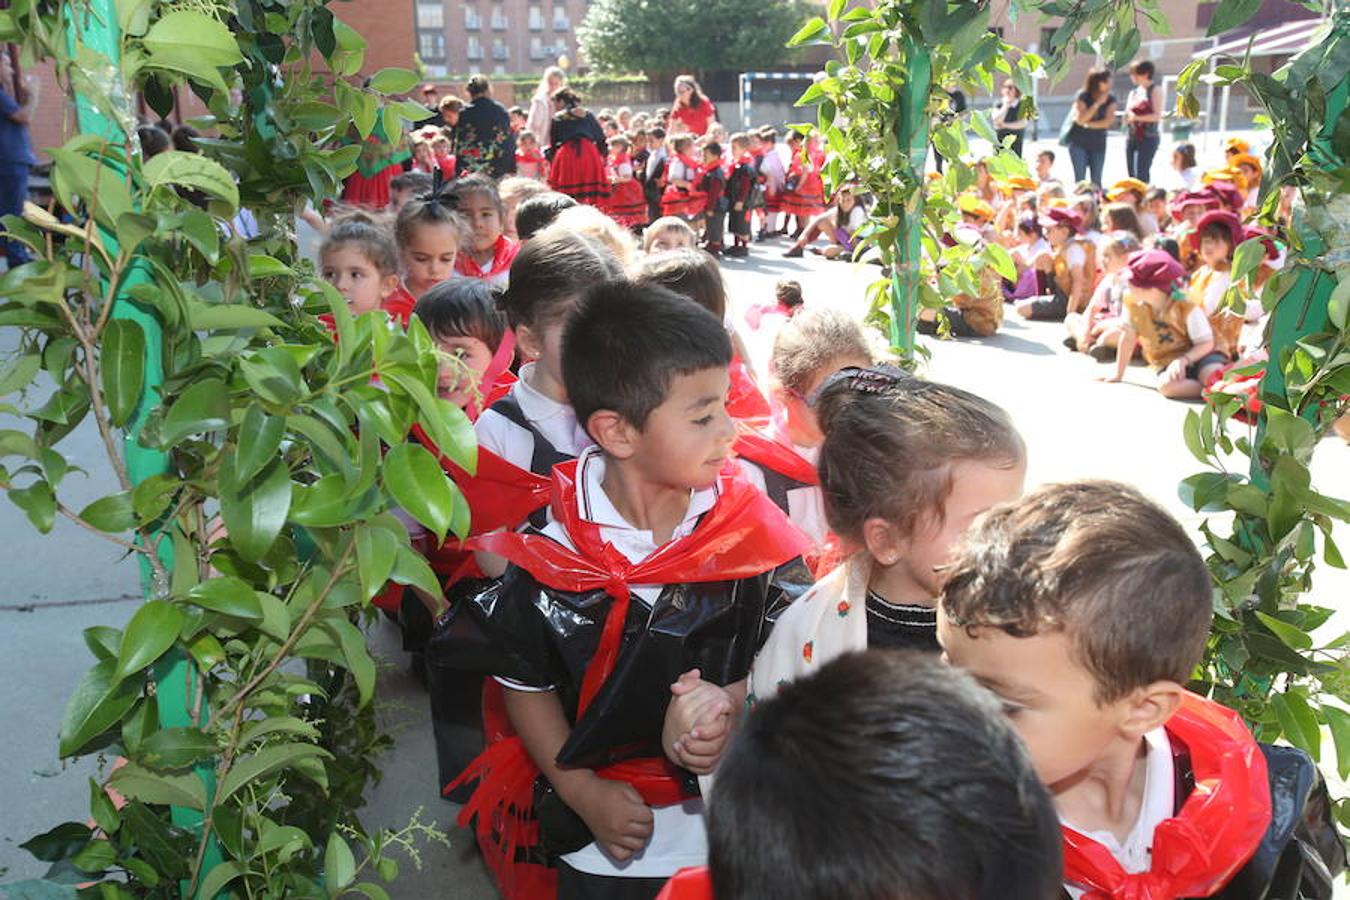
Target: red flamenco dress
x,y
377,165
807,195
577,157
627,204
687,203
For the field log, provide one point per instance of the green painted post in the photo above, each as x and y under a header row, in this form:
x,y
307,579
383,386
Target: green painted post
x,y
912,135
94,26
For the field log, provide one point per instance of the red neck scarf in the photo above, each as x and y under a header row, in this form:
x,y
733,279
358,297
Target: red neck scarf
x,y
503,254
774,455
742,536
744,401
689,163
1200,849
497,377
688,884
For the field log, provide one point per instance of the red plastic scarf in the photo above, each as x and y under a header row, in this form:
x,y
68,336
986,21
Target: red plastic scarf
x,y
744,401
503,254
742,536
1197,851
763,450
688,884
497,377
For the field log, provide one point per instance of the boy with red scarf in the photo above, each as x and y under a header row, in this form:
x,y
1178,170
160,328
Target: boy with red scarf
x,y
655,561
1086,608
740,188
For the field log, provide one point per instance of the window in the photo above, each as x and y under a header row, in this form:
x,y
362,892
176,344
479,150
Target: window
x,y
560,22
436,71
499,48
472,21
430,15
475,50
499,69
536,18
499,22
1047,34
431,45
537,50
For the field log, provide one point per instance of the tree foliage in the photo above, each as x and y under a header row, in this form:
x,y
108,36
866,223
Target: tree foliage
x,y
687,35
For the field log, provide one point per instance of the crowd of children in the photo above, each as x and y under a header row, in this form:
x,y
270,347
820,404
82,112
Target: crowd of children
x,y
695,640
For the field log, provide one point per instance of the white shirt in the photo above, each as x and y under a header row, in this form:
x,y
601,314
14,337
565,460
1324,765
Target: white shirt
x,y
1197,326
557,422
1135,853
1029,252
806,505
678,838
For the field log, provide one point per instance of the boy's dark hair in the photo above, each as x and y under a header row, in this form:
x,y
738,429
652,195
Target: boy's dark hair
x,y
1143,67
475,185
536,213
689,273
1187,151
516,111
426,210
1048,154
184,138
884,775
416,183
1163,242
358,229
462,307
1156,193
551,271
713,147
1098,561
1219,231
625,342
789,293
891,441
657,132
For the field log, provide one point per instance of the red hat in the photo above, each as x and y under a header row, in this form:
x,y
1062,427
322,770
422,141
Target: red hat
x,y
1203,198
1154,269
1227,194
1057,216
1237,234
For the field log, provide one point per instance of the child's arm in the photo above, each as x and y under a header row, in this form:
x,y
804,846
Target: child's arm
x,y
699,721
1124,351
613,810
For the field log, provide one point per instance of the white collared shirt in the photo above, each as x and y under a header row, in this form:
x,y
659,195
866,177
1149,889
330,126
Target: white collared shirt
x,y
557,422
806,505
1135,853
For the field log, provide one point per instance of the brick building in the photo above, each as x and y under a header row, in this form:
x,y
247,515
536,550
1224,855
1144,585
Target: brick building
x,y
496,36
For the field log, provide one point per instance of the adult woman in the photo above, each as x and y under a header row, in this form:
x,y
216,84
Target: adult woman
x,y
1143,112
483,139
577,154
692,107
540,118
1007,116
1094,111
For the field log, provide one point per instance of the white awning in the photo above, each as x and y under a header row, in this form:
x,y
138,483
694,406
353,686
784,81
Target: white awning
x,y
1282,40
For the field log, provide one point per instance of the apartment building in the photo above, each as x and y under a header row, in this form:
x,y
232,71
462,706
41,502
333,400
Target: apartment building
x,y
496,36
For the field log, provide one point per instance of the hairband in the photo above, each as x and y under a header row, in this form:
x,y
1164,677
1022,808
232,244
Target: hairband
x,y
878,379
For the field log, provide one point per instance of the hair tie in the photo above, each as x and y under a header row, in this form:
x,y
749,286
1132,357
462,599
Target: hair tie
x,y
878,379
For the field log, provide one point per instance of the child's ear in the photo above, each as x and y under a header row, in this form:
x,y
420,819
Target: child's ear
x,y
615,434
883,540
1150,707
389,284
530,343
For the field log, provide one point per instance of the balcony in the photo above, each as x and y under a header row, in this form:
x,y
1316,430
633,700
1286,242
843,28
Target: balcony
x,y
499,22
561,24
538,53
474,52
500,52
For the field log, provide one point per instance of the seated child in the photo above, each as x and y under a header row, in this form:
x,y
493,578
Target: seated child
x,y
906,466
881,775
1097,331
969,315
359,259
428,234
787,297
1217,234
668,233
1032,255
583,616
488,252
696,275
515,190
536,213
1070,269
1174,335
1085,608
838,226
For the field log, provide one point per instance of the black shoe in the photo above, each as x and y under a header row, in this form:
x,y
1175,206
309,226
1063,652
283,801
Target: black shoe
x,y
739,250
1102,353
1071,342
765,236
793,253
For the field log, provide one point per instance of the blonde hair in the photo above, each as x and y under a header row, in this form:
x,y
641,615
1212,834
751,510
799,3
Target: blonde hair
x,y
667,223
813,339
590,221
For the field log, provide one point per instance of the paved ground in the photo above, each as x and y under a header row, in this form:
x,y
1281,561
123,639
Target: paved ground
x,y
53,587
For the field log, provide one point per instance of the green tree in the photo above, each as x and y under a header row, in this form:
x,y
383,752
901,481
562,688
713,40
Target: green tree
x,y
687,35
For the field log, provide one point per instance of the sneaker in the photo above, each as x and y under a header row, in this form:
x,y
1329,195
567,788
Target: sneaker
x,y
1102,353
793,253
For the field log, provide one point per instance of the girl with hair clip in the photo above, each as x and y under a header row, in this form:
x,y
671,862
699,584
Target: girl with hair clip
x,y
428,234
682,197
906,467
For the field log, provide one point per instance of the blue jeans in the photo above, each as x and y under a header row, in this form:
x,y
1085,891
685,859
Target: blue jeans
x,y
1085,158
1139,156
13,192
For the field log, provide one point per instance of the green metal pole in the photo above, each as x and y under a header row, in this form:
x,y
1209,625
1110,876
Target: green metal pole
x,y
176,693
912,135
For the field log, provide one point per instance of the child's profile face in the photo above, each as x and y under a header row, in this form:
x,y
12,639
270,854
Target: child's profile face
x,y
1047,695
485,222
1043,166
802,422
1113,261
459,378
670,239
356,278
687,439
429,257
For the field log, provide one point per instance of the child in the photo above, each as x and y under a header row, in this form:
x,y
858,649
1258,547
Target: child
x,y
358,258
406,186
1085,608
1033,256
1071,268
773,175
625,204
712,181
639,543
1097,331
803,191
668,233
1216,236
682,198
654,180
696,275
1045,165
489,252
442,148
461,316
536,213
1175,335
518,117
838,226
844,787
740,191
787,302
530,162
428,234
1183,164
589,220
515,190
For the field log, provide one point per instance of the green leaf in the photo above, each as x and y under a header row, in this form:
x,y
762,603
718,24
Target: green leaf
x,y
339,867
192,170
113,513
98,702
1247,257
255,511
417,483
176,748
228,317
274,375
263,764
813,32
133,16
139,783
101,808
102,641
1290,635
96,183
132,230
261,728
1298,722
387,868
1001,260
21,374
151,631
411,568
1229,14
229,596
1338,720
38,503
61,842
1338,305
260,437
260,265
193,33
376,550
221,874
206,651
203,407
97,856
276,620
359,663
393,81
371,891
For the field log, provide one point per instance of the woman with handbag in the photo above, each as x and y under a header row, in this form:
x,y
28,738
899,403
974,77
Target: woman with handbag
x,y
1093,112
